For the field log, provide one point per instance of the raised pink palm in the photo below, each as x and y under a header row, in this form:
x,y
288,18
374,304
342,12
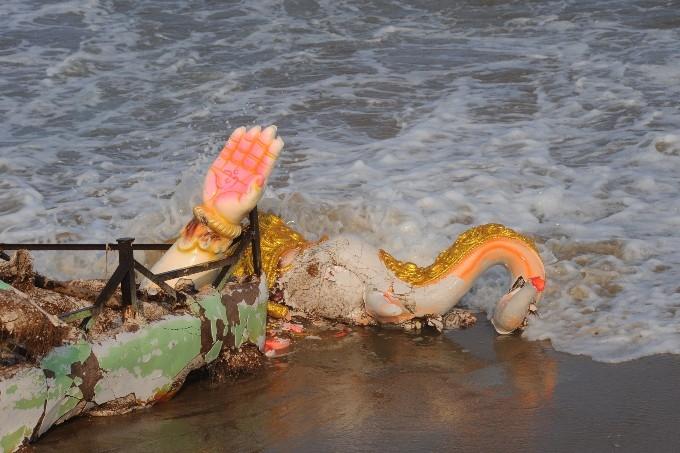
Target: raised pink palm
x,y
236,179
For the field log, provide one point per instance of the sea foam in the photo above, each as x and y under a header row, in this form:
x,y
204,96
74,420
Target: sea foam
x,y
403,124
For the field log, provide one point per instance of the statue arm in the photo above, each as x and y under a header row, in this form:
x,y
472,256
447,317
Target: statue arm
x,y
233,186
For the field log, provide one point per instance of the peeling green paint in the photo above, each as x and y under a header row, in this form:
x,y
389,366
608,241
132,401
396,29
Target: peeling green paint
x,y
213,310
67,404
167,347
29,395
61,359
214,351
13,440
60,363
30,403
252,323
147,363
149,360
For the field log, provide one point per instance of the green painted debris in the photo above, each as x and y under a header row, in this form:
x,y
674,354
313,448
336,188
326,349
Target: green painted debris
x,y
138,367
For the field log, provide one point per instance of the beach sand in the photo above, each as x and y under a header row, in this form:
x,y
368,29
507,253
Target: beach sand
x,y
388,390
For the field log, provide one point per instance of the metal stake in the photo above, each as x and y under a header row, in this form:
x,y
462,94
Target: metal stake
x,y
255,225
126,260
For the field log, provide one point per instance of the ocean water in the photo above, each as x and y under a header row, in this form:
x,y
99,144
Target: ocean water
x,y
405,123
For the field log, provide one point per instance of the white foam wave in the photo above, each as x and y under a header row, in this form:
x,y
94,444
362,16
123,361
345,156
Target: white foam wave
x,y
404,124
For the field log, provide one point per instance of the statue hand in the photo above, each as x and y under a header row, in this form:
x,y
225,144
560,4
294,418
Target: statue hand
x,y
235,181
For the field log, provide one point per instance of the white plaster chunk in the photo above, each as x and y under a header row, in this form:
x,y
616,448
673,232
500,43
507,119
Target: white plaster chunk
x,y
25,385
122,382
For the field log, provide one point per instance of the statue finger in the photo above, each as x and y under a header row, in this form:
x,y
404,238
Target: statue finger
x,y
253,133
268,135
233,141
268,159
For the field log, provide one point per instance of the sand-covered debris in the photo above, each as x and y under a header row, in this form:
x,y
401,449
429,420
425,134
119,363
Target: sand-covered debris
x,y
231,363
29,327
26,329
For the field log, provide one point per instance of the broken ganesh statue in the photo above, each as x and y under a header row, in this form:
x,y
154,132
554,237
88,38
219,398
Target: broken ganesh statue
x,y
344,278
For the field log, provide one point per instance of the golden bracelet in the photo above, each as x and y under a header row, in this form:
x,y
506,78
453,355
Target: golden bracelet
x,y
216,224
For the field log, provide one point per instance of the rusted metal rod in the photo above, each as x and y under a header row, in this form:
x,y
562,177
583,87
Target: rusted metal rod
x,y
226,271
139,267
104,246
124,275
109,289
255,240
195,269
128,285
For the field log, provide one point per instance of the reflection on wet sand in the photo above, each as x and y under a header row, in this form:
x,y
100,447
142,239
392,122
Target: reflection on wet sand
x,y
532,372
370,390
386,390
388,386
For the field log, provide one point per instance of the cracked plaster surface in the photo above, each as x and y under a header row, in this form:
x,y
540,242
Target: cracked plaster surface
x,y
127,370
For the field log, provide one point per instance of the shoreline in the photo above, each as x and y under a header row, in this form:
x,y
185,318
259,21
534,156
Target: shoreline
x,y
383,389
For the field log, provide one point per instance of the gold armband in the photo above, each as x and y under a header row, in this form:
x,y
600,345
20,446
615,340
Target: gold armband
x,y
216,224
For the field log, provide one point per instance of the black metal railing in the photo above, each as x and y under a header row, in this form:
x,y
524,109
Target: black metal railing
x,y
124,275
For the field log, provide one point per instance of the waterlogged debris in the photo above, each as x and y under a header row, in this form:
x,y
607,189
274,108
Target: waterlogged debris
x,y
233,363
459,319
292,327
321,324
276,346
122,363
412,324
455,319
436,323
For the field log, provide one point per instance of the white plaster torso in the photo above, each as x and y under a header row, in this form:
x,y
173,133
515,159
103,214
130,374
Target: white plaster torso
x,y
334,278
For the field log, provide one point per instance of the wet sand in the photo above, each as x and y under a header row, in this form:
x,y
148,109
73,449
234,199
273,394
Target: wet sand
x,y
386,390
